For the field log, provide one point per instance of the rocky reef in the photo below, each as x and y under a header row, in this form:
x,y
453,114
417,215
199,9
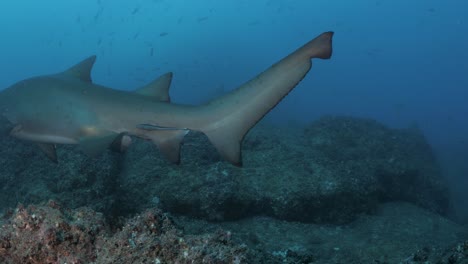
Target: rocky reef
x,y
326,193
52,234
335,169
457,254
329,172
396,233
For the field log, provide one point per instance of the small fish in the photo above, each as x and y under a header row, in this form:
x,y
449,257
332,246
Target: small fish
x,y
201,19
163,34
135,10
98,14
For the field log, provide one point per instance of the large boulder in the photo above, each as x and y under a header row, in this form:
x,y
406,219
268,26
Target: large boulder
x,y
335,169
330,172
395,164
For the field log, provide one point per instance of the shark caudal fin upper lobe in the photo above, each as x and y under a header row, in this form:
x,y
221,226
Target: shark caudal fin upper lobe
x,y
227,119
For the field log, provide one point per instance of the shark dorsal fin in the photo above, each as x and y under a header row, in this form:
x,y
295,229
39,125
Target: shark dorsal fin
x,y
82,70
158,89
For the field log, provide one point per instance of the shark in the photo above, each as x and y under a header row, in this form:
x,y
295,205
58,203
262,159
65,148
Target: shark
x,y
68,108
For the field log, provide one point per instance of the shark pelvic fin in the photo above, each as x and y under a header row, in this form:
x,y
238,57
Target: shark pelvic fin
x,y
158,89
121,143
168,142
49,150
82,70
94,145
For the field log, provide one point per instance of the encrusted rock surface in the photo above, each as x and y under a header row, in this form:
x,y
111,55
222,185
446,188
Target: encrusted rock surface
x,y
330,172
335,169
52,234
396,233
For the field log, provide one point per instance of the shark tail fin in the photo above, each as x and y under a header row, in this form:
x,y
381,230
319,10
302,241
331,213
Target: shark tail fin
x,y
227,119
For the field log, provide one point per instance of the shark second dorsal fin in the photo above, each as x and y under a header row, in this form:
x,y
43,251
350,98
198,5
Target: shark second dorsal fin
x,y
82,70
158,89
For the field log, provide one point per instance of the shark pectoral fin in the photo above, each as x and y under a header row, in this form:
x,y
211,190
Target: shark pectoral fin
x,y
94,145
49,150
168,142
158,89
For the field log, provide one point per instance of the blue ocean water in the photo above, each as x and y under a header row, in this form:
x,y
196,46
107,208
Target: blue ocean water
x,y
400,62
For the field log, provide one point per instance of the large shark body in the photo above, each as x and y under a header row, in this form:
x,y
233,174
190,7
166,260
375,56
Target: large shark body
x,y
68,108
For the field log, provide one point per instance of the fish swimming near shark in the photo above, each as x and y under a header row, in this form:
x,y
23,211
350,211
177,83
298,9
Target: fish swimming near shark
x,y
68,108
